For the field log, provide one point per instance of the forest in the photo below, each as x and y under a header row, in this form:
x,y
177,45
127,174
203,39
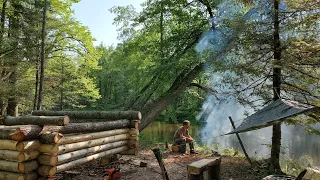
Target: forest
x,y
168,53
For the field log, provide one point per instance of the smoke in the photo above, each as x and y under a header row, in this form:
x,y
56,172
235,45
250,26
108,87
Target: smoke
x,y
216,112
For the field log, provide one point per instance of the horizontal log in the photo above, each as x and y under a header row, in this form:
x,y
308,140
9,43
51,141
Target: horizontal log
x,y
47,170
134,132
66,166
53,160
10,145
20,167
61,149
18,156
129,152
73,128
36,120
19,146
90,136
50,137
11,134
29,131
107,115
28,145
17,176
133,144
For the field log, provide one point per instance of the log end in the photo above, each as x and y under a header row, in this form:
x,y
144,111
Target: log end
x,y
21,157
21,167
20,146
17,135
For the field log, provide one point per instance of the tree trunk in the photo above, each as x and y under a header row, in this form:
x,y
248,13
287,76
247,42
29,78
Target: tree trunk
x,y
276,135
81,115
50,160
89,127
151,111
37,120
61,149
42,56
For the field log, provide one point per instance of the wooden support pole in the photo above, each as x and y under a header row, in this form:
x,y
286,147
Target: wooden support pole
x,y
36,120
53,160
107,115
61,149
66,166
158,154
241,144
17,176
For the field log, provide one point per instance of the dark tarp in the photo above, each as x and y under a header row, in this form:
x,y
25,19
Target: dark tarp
x,y
272,114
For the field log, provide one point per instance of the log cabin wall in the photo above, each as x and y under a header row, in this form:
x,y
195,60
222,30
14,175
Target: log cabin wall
x,y
49,142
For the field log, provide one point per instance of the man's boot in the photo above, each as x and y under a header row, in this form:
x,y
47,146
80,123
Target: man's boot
x,y
183,148
192,151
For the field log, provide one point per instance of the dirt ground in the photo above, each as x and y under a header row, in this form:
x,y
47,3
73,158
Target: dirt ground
x,y
232,168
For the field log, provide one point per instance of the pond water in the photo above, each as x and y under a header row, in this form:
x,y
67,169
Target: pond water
x,y
295,142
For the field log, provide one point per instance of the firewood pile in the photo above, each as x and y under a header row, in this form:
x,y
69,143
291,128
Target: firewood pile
x,y
49,142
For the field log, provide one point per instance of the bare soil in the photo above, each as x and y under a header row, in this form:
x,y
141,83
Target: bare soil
x,y
232,168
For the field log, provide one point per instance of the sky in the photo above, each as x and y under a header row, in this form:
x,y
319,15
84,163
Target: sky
x,y
95,14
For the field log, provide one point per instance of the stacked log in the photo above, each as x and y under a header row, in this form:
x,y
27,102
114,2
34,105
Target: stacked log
x,y
19,145
89,136
46,142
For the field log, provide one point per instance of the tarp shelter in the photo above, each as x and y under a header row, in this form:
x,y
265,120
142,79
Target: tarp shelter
x,y
273,113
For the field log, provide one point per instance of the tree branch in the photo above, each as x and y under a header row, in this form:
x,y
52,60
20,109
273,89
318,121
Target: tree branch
x,y
206,89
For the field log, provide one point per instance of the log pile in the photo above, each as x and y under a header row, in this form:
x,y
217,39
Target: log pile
x,y
48,142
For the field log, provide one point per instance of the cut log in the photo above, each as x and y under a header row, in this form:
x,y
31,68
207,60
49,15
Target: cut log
x,y
22,167
50,137
37,120
134,132
47,170
134,138
29,131
133,144
61,149
9,145
129,152
90,136
17,176
66,166
108,115
18,156
28,166
208,167
11,134
53,160
88,127
28,145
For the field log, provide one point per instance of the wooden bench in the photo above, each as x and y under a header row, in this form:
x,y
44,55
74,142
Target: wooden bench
x,y
205,169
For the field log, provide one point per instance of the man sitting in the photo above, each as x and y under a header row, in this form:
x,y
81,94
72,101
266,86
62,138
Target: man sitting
x,y
181,137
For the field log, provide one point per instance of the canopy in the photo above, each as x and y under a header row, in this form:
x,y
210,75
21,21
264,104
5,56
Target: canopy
x,y
272,114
